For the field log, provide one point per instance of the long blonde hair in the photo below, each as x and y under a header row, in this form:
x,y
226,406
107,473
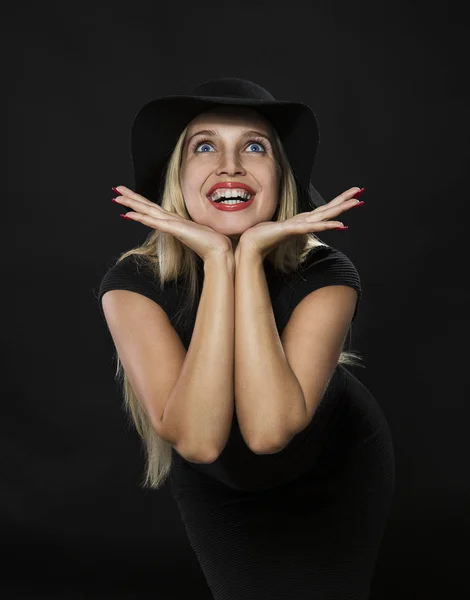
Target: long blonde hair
x,y
168,258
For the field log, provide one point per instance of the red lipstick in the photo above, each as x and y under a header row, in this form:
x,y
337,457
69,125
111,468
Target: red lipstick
x,y
231,185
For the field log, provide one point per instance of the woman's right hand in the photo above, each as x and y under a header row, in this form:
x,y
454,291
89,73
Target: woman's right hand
x,y
202,239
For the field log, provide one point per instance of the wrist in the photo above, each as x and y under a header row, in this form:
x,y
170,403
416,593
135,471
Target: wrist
x,y
248,253
223,259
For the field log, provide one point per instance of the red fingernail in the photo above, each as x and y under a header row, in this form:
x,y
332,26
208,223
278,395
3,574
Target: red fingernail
x,y
345,227
358,204
116,192
125,217
114,200
359,193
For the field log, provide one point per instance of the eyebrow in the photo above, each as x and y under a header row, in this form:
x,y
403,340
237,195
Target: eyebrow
x,y
244,134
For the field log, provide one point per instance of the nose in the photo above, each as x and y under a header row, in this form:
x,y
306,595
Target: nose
x,y
230,164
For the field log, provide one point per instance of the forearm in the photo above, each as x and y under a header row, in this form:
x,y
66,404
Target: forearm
x,y
268,398
199,411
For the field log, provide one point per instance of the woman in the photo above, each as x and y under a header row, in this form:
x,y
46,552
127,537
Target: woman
x,y
280,460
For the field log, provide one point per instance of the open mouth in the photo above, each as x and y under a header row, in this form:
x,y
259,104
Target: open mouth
x,y
229,199
237,202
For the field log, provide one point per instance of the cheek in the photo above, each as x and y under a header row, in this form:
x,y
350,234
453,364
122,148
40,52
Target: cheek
x,y
193,178
195,208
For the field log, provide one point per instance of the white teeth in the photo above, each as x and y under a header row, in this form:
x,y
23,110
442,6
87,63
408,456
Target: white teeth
x,y
226,193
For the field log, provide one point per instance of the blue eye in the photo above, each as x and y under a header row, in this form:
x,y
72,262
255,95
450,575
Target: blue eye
x,y
199,143
202,144
256,144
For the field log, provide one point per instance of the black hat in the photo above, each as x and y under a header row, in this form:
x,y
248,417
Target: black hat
x,y
159,123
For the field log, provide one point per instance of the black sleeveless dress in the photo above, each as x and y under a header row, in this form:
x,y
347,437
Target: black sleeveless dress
x,y
305,523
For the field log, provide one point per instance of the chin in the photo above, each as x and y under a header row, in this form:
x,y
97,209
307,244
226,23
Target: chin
x,y
230,231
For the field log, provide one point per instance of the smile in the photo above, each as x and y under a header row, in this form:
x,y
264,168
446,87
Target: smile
x,y
234,204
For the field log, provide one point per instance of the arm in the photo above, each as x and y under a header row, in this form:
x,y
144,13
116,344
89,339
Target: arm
x,y
199,411
268,397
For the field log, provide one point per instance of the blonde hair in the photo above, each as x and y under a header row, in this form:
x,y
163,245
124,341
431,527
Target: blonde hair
x,y
168,259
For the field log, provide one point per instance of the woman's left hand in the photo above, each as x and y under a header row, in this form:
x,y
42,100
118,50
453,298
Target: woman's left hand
x,y
265,236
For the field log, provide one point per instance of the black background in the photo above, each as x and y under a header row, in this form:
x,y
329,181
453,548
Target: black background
x,y
387,81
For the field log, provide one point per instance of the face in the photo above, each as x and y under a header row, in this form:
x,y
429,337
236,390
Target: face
x,y
231,153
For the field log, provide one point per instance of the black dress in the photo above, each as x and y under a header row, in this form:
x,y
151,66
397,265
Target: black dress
x,y
305,523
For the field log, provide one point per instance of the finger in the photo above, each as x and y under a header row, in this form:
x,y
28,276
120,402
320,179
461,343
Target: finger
x,y
344,197
139,203
331,211
312,226
151,221
128,193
